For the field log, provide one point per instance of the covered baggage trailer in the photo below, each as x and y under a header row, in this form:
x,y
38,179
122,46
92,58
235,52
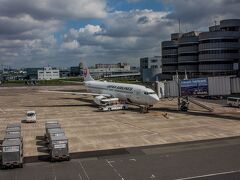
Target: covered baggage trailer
x,y
13,137
59,148
14,125
51,126
13,128
51,122
12,154
13,131
55,132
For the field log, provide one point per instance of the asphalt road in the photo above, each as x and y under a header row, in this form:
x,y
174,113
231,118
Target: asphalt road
x,y
205,160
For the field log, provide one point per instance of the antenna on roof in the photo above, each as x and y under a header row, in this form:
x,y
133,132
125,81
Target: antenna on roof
x,y
179,25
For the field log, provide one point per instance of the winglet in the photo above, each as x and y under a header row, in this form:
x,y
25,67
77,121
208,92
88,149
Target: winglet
x,y
86,74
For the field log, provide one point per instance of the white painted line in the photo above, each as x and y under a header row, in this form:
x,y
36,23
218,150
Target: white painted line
x,y
79,175
152,177
84,170
132,160
114,169
209,175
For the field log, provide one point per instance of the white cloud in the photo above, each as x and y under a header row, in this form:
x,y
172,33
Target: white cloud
x,y
123,35
59,9
28,30
70,45
27,27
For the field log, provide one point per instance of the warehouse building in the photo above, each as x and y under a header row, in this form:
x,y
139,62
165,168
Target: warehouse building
x,y
101,70
212,53
48,73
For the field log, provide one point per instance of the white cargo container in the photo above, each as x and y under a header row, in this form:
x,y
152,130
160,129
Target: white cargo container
x,y
235,85
219,86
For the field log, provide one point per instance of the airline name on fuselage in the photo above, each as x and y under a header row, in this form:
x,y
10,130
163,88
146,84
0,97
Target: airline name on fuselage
x,y
120,88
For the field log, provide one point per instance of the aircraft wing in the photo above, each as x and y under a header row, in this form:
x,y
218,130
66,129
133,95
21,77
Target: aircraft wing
x,y
77,93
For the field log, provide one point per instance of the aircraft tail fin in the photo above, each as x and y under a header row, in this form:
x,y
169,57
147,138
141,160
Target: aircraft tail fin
x,y
86,75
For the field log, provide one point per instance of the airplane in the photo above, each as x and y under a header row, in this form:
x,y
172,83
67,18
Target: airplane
x,y
138,95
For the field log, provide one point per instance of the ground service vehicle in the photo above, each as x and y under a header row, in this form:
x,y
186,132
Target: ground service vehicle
x,y
112,104
31,117
113,107
12,154
233,101
58,149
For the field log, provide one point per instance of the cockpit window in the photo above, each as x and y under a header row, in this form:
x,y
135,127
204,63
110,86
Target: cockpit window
x,y
151,93
148,93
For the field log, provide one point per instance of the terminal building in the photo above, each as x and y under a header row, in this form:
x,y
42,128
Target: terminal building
x,y
151,68
212,53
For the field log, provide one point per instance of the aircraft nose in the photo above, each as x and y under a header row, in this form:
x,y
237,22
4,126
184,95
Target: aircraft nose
x,y
154,98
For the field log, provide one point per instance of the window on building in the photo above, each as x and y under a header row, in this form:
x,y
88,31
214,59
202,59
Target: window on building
x,y
154,66
154,60
218,41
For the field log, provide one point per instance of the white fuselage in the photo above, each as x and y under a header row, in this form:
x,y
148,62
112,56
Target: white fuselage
x,y
131,93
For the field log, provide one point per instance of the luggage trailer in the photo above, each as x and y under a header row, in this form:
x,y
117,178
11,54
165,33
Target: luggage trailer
x,y
54,132
58,148
51,126
14,127
13,131
12,154
13,137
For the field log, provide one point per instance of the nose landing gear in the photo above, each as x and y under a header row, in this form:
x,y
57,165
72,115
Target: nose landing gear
x,y
144,109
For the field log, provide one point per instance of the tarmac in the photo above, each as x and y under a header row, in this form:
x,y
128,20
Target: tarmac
x,y
202,160
90,130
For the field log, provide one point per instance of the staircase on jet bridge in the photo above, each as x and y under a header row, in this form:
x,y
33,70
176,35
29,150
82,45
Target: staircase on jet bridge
x,y
200,105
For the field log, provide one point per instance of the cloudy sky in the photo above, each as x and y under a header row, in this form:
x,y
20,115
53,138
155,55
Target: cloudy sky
x,y
36,33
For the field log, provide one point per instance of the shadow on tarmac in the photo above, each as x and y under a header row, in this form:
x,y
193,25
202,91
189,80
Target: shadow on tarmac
x,y
42,144
202,114
63,105
80,99
78,155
